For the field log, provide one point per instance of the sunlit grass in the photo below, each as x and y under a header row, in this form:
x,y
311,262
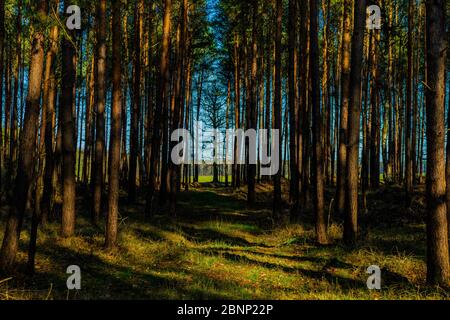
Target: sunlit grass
x,y
217,248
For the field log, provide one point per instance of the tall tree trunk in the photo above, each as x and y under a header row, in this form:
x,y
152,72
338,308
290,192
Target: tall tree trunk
x,y
251,175
317,164
293,109
100,91
237,105
116,123
277,107
164,81
345,95
14,136
136,106
351,203
409,87
2,54
305,105
178,105
67,123
375,121
44,187
90,91
27,149
437,229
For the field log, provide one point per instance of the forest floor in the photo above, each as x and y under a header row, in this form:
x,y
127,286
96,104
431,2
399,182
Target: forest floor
x,y
217,248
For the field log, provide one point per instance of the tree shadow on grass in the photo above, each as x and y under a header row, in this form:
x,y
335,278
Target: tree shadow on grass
x,y
203,235
105,280
345,283
240,253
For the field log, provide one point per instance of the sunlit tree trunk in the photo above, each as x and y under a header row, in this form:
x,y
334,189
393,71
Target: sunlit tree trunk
x,y
345,95
351,203
437,228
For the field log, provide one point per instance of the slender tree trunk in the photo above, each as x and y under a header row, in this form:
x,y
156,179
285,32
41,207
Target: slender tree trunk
x,y
14,136
375,121
437,228
100,91
317,164
277,107
293,109
2,51
251,198
305,105
136,107
237,103
351,203
27,149
68,134
164,81
409,86
345,95
176,119
116,123
45,174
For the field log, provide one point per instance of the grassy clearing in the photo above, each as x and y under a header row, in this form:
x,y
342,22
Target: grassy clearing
x,y
217,248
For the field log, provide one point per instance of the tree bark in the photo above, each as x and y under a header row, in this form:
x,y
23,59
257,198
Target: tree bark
x,y
317,164
351,203
100,91
293,109
277,107
116,130
67,123
437,229
164,80
345,95
27,148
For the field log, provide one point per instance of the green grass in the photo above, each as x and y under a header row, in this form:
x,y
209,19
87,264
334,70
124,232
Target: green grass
x,y
217,248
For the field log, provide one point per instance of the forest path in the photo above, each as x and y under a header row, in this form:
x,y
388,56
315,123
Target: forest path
x,y
218,248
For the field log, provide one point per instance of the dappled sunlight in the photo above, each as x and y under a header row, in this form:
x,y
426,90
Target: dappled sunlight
x,y
222,256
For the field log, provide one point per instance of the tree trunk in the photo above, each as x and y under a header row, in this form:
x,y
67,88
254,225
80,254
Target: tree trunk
x,y
43,201
100,91
116,123
293,109
277,108
351,203
345,95
67,123
409,85
317,164
251,175
164,80
136,106
27,149
437,229
2,51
